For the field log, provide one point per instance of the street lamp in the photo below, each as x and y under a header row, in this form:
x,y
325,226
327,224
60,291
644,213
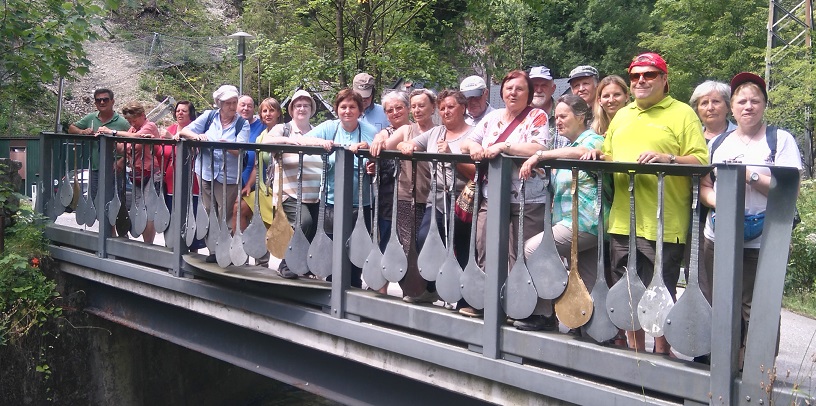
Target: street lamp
x,y
242,37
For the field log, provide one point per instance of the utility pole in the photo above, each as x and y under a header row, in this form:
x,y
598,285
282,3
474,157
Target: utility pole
x,y
789,29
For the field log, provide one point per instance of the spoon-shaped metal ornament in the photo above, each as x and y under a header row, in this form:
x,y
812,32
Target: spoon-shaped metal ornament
x,y
214,227
138,215
319,260
359,243
161,214
237,254
202,217
115,204
548,272
600,327
518,294
621,302
473,279
66,190
688,325
255,233
190,221
222,246
449,280
280,231
412,284
82,202
656,302
432,254
91,213
372,267
297,252
574,306
394,262
151,196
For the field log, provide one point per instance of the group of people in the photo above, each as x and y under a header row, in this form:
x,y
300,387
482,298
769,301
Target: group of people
x,y
596,121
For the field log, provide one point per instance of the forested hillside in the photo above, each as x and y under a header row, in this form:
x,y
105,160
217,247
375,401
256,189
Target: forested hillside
x,y
323,43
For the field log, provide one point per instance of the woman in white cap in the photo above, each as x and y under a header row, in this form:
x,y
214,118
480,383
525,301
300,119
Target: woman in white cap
x,y
301,108
222,124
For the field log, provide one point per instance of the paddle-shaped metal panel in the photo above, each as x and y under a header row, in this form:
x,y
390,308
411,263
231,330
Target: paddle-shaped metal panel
x,y
202,218
82,201
91,214
237,254
413,284
656,302
255,233
544,264
688,324
115,204
65,191
621,302
138,214
161,217
394,262
359,243
574,307
319,260
372,266
600,327
280,231
432,254
473,278
449,281
519,296
213,228
298,250
222,245
190,220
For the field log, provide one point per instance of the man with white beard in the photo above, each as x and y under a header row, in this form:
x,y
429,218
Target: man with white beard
x,y
543,89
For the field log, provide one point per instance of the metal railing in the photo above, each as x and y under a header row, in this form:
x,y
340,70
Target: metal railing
x,y
549,363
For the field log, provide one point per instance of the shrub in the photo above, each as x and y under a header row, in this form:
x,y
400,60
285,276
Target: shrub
x,y
801,276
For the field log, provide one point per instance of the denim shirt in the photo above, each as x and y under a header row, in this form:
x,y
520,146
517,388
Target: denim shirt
x,y
208,165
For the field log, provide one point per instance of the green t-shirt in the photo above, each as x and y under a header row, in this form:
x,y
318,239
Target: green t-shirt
x,y
669,127
116,122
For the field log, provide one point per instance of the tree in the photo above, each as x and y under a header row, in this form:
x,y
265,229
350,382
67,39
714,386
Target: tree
x,y
41,40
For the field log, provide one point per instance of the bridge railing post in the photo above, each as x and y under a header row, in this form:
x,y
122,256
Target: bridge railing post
x,y
496,253
181,187
343,207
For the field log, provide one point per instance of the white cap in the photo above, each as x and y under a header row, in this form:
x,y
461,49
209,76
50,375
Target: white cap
x,y
542,72
301,94
473,86
225,92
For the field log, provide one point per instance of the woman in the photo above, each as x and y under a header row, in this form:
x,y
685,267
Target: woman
x,y
572,116
222,124
710,100
301,108
495,135
412,196
396,106
141,157
354,134
184,113
612,95
270,114
447,139
748,144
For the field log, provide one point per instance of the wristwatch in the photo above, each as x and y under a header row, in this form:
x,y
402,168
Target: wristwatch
x,y
114,132
507,145
672,158
540,154
754,178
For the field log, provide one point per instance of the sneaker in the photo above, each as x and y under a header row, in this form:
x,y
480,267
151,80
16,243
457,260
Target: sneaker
x,y
471,312
210,259
286,273
450,306
425,297
263,261
532,323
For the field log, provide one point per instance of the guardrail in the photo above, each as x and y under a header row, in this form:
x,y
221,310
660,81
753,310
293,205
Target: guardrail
x,y
549,363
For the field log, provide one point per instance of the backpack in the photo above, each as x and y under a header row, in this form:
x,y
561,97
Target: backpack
x,y
211,116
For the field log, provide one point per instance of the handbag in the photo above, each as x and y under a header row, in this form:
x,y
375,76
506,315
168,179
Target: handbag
x,y
464,202
752,226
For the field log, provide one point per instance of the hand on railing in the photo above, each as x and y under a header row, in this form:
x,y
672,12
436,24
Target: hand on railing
x,y
594,155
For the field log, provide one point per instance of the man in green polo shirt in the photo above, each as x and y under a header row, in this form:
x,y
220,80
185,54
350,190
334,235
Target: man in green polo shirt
x,y
104,116
656,128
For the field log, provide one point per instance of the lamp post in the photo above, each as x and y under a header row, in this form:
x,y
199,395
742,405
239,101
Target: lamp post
x,y
242,37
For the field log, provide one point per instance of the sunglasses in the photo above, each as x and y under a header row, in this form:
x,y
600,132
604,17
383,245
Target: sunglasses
x,y
650,75
102,99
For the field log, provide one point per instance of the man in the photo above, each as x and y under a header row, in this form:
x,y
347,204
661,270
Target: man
x,y
246,109
373,113
583,81
654,129
475,89
104,116
543,89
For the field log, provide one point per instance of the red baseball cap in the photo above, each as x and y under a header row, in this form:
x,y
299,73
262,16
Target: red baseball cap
x,y
744,77
649,59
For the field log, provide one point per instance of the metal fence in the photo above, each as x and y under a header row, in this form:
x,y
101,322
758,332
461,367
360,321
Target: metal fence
x,y
561,366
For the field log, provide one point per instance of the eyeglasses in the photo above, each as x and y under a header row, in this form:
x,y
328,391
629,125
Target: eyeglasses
x,y
302,106
649,75
102,99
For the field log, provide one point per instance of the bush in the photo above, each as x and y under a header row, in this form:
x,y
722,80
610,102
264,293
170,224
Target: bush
x,y
801,276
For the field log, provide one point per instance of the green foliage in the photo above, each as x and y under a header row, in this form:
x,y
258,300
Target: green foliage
x,y
707,40
800,279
